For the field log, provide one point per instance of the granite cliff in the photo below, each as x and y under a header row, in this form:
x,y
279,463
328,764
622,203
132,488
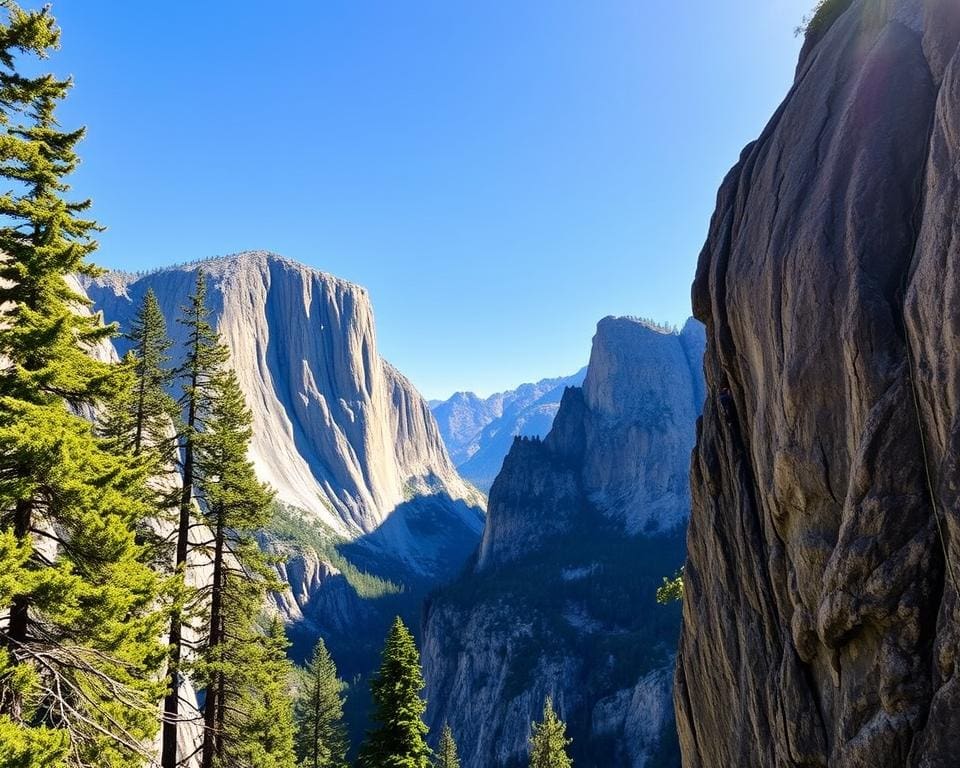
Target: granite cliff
x,y
559,599
338,432
820,619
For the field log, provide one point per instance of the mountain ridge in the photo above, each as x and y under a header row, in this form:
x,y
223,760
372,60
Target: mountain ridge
x,y
559,599
479,431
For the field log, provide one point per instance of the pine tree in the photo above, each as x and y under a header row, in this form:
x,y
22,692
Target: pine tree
x,y
263,737
398,739
321,733
139,421
204,359
549,742
255,722
151,409
235,505
447,750
78,644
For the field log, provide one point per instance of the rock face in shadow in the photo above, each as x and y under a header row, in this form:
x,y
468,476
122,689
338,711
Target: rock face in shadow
x,y
819,626
338,432
581,528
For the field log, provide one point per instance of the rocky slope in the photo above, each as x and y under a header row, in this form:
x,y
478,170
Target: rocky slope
x,y
559,600
478,432
820,622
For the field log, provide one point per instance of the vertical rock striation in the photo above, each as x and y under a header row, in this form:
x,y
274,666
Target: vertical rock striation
x,y
338,432
372,514
559,601
819,628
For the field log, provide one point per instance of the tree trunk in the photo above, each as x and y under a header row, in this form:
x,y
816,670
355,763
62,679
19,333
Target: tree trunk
x,y
212,704
316,723
141,405
221,715
171,705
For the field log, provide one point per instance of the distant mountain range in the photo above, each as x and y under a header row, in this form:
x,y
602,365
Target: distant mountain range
x,y
479,431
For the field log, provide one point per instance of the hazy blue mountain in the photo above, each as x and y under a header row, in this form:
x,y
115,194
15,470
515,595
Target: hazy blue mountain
x,y
479,431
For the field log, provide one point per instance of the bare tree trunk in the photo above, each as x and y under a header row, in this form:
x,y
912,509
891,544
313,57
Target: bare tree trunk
x,y
171,704
212,703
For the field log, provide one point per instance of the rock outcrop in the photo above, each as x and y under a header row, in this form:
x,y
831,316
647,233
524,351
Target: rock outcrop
x,y
479,432
338,432
581,527
820,622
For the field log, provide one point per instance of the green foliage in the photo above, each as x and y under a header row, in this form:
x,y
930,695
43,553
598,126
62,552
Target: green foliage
x,y
94,599
247,705
139,419
31,747
227,488
321,733
549,742
261,730
78,647
142,422
819,20
447,750
618,573
398,739
255,724
200,373
294,529
671,590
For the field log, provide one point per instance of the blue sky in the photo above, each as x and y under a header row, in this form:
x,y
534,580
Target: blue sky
x,y
499,173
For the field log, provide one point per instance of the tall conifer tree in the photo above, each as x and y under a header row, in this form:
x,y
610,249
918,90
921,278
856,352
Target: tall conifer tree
x,y
140,419
151,409
235,506
398,739
263,736
447,750
202,367
321,733
78,642
549,742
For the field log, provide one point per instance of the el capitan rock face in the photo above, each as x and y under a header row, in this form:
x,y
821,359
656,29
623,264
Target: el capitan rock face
x,y
819,626
338,432
372,515
581,527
